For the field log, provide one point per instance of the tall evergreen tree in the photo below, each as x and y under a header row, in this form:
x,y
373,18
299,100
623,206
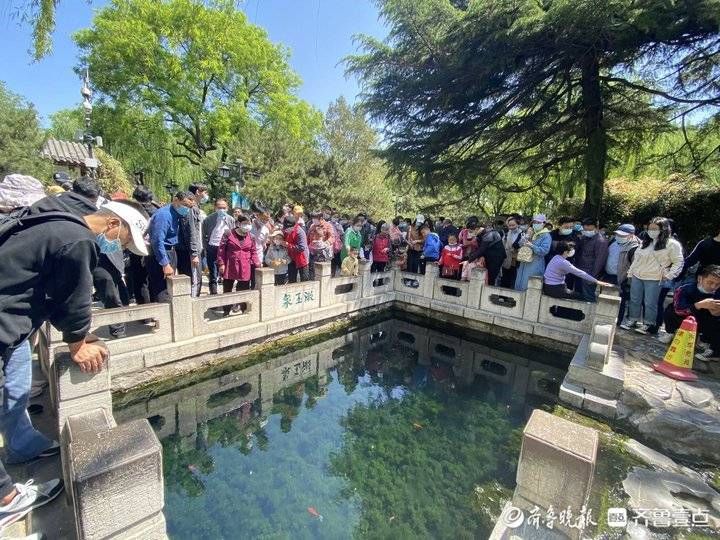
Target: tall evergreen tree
x,y
471,89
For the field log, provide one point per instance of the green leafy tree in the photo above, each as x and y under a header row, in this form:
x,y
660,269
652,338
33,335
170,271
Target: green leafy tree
x,y
469,90
209,73
21,137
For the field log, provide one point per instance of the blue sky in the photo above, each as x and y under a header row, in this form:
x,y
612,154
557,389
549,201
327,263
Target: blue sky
x,y
318,33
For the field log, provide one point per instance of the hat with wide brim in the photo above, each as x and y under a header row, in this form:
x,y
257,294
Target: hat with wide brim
x,y
136,222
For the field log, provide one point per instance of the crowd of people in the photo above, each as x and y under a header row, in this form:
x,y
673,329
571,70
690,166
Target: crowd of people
x,y
70,243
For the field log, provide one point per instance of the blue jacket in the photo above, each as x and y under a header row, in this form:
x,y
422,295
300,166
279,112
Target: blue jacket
x,y
164,232
432,246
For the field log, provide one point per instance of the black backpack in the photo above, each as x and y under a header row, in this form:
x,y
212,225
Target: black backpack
x,y
21,218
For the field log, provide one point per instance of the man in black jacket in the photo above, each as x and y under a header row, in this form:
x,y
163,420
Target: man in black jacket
x,y
108,274
47,276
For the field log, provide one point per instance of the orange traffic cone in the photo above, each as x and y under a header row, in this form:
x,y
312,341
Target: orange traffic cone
x,y
678,360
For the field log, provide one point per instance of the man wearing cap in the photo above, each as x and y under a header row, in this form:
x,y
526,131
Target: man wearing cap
x,y
620,238
108,274
49,278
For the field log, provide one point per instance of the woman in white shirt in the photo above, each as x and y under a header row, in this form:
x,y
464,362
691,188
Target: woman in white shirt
x,y
659,258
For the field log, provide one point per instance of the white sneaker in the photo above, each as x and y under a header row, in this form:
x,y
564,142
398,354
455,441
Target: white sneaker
x,y
666,338
707,356
29,496
642,329
628,325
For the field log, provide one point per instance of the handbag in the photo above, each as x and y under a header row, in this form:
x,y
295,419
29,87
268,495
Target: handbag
x,y
525,254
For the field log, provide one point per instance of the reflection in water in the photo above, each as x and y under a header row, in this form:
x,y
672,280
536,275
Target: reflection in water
x,y
391,431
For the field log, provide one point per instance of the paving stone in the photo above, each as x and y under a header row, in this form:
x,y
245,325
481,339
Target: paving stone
x,y
694,394
662,489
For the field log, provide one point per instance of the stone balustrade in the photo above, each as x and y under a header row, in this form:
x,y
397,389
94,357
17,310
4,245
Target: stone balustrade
x,y
102,460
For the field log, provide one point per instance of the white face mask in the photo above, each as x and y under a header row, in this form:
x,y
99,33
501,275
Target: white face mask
x,y
653,234
571,253
622,239
245,228
566,232
589,234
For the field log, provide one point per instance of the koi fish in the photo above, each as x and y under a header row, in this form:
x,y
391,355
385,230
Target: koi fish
x,y
416,425
314,513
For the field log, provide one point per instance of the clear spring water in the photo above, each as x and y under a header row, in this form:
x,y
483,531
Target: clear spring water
x,y
392,431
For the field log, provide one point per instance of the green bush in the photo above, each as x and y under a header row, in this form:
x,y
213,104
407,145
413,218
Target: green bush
x,y
694,206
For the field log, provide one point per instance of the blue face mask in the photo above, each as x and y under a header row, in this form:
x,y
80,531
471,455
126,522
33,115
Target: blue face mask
x,y
182,210
577,227
205,198
538,226
108,246
222,212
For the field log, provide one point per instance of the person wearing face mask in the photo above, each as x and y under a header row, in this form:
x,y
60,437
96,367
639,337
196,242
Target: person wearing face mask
x,y
490,251
557,270
31,295
628,243
450,258
539,243
468,235
700,299
381,248
277,258
296,243
260,232
511,244
563,233
592,252
167,236
236,258
193,261
353,238
108,274
214,228
658,259
321,238
415,243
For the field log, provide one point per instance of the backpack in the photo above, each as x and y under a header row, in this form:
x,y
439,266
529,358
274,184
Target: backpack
x,y
21,218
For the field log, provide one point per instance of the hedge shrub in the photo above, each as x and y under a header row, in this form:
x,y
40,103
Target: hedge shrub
x,y
693,205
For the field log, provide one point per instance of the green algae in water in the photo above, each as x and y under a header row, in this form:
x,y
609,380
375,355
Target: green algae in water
x,y
387,442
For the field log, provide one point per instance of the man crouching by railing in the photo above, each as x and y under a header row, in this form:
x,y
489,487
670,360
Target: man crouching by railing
x,y
46,264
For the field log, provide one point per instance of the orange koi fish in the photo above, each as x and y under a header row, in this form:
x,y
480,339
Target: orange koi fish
x,y
314,513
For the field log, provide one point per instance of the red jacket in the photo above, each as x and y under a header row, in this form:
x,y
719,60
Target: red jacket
x,y
451,257
238,255
381,242
297,246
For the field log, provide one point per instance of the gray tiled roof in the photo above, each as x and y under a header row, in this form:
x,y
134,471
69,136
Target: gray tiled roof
x,y
65,152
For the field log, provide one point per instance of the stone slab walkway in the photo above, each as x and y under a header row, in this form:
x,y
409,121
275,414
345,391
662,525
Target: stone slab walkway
x,y
681,418
55,519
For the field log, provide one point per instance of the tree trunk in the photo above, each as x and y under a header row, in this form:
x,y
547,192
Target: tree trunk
x,y
595,136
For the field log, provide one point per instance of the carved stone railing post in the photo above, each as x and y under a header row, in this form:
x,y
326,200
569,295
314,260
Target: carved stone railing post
x,y
113,474
432,271
179,288
533,295
265,284
477,282
366,279
323,274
